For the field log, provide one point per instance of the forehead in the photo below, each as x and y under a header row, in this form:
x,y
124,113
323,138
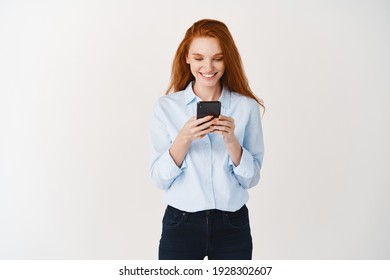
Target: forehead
x,y
205,46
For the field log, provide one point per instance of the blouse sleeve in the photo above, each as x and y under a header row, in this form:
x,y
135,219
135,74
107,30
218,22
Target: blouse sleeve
x,y
248,171
163,169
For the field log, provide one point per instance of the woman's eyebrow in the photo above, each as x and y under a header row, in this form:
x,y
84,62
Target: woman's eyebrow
x,y
199,54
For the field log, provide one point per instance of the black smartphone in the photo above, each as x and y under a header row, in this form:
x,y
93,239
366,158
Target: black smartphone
x,y
208,108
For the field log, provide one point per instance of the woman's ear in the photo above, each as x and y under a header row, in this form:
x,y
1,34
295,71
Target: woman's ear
x,y
187,60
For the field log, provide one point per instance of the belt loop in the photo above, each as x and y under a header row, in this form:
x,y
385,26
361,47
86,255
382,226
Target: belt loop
x,y
224,216
185,216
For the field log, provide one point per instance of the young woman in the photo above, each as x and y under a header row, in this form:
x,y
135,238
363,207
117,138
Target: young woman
x,y
206,165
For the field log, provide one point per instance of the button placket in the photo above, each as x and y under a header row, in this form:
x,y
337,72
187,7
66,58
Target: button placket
x,y
208,166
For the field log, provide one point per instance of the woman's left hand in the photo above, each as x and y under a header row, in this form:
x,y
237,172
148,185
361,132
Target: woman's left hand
x,y
225,126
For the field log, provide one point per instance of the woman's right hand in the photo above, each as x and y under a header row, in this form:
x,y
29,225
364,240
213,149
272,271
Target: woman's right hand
x,y
196,128
192,129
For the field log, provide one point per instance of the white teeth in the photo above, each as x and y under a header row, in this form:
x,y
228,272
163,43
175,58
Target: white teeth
x,y
208,75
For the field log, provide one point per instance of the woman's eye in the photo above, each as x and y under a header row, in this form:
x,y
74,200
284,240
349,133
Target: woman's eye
x,y
198,59
218,59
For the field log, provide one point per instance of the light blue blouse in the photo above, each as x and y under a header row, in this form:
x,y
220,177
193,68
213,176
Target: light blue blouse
x,y
207,179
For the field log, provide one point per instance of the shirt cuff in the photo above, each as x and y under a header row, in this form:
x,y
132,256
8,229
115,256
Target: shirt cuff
x,y
246,167
169,167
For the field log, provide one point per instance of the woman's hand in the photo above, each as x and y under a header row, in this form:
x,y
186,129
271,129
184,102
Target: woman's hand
x,y
196,128
225,126
192,129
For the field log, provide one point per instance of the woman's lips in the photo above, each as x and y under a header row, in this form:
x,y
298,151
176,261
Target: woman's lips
x,y
208,75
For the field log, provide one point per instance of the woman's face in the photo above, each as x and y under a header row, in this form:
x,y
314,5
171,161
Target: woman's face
x,y
206,61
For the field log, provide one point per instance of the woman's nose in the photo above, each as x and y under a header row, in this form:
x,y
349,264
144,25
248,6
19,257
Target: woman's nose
x,y
208,65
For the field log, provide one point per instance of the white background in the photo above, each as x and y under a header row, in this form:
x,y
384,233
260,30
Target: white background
x,y
78,80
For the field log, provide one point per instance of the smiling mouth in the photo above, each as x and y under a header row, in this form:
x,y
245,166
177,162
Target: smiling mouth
x,y
208,75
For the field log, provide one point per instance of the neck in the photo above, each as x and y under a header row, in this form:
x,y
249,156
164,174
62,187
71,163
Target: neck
x,y
207,93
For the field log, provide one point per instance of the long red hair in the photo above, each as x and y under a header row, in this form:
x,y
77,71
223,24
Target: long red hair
x,y
234,76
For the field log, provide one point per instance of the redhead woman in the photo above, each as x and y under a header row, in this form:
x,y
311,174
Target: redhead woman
x,y
205,166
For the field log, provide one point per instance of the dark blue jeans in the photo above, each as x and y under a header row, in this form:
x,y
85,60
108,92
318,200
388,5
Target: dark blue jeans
x,y
219,235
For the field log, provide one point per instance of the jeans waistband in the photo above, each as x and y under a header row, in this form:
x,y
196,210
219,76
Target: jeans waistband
x,y
204,212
